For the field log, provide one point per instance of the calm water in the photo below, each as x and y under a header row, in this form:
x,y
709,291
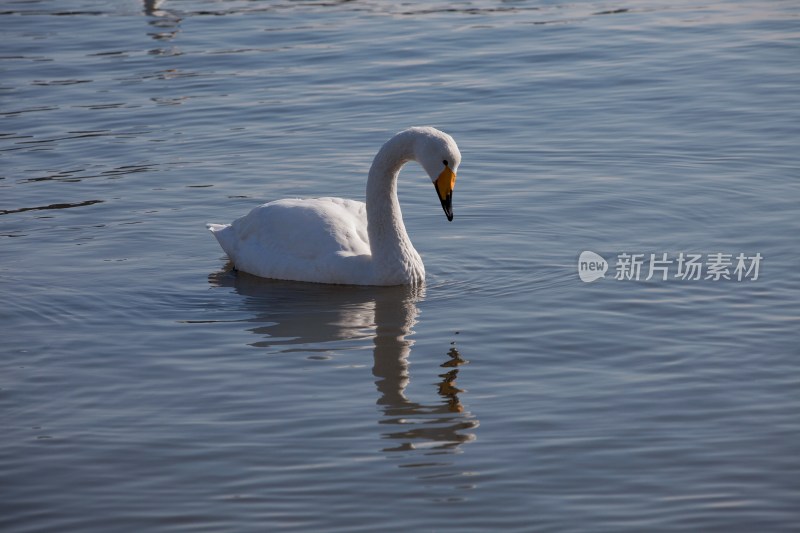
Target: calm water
x,y
144,387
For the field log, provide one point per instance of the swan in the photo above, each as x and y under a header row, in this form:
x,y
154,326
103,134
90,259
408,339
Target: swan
x,y
342,241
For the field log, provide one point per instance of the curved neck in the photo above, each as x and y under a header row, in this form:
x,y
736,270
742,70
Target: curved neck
x,y
388,239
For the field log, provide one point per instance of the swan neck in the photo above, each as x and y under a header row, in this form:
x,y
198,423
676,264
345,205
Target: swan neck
x,y
389,242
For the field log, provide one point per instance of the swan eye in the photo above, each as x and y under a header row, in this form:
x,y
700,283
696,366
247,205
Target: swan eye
x,y
445,162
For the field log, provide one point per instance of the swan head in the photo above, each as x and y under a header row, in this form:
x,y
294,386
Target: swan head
x,y
438,154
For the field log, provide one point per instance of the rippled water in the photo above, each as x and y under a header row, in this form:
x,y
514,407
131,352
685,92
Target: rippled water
x,y
145,387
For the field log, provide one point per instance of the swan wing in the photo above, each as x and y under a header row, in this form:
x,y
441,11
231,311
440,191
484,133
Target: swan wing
x,y
320,239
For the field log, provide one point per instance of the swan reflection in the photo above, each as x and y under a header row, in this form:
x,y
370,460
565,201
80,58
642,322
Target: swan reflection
x,y
293,316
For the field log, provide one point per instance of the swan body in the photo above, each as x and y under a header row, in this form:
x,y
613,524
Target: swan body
x,y
335,240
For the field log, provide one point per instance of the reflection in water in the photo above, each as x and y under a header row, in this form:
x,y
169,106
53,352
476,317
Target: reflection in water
x,y
167,25
166,22
320,317
440,426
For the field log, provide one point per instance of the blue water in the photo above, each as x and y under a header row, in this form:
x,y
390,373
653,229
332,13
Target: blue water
x,y
144,386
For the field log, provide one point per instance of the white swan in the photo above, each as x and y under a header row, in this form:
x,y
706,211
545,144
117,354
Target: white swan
x,y
333,240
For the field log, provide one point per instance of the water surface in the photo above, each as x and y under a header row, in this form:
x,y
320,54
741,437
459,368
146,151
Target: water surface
x,y
145,386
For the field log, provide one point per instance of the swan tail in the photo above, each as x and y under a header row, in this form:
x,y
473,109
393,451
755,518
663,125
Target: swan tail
x,y
226,239
216,227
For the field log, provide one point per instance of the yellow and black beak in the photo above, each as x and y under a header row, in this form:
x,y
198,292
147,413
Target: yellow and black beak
x,y
444,188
